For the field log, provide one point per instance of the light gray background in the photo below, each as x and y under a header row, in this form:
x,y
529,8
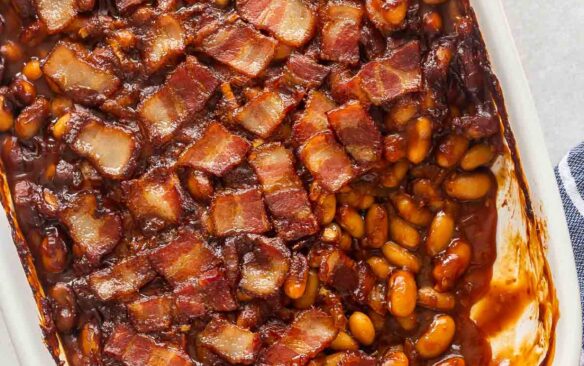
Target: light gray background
x,y
550,38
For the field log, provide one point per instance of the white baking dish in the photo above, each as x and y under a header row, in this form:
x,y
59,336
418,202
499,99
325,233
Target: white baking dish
x,y
21,315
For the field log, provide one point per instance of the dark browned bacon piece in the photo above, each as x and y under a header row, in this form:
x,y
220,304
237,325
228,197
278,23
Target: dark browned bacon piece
x,y
155,199
240,46
356,131
313,120
133,349
305,71
164,43
341,31
216,152
241,211
111,149
122,279
69,68
235,344
184,93
344,274
126,5
327,161
94,233
311,332
56,14
283,191
290,21
151,314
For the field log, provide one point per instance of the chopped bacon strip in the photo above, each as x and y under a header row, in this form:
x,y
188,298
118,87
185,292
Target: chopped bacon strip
x,y
264,113
356,358
133,349
184,258
327,161
241,211
233,343
165,42
385,79
265,265
155,199
56,14
216,152
122,279
283,191
346,275
341,32
151,314
290,21
314,119
240,46
208,292
184,93
113,150
357,131
305,71
310,333
94,233
69,68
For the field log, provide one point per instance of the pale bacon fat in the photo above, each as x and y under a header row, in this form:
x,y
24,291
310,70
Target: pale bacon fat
x,y
327,161
133,349
155,199
184,93
313,120
151,314
122,279
69,68
305,71
283,191
341,32
357,132
165,42
113,150
94,233
310,332
216,152
240,46
385,79
56,14
240,211
290,21
235,344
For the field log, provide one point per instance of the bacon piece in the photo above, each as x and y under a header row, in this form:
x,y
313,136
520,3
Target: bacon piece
x,y
283,191
356,131
184,93
305,71
310,333
165,42
151,314
264,113
133,349
233,343
327,161
216,152
480,125
356,358
127,5
113,150
240,211
240,46
68,67
94,233
341,32
264,267
290,21
122,279
385,79
346,275
208,292
155,199
314,119
56,14
184,258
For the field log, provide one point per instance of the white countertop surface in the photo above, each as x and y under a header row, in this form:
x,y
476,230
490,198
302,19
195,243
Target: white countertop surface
x,y
549,38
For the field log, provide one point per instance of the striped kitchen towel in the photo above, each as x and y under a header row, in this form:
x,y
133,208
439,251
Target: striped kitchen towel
x,y
570,176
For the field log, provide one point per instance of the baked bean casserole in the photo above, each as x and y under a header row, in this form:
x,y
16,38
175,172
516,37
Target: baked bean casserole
x,y
253,182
